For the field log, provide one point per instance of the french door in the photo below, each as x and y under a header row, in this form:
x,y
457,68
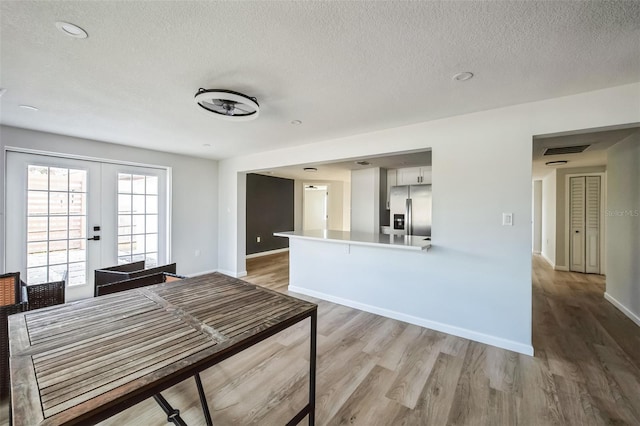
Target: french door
x,y
68,217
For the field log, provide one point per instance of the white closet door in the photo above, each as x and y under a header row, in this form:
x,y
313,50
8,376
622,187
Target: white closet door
x,y
592,225
576,225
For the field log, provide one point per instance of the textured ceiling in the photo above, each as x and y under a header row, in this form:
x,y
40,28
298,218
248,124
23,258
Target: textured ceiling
x,y
341,67
595,155
342,170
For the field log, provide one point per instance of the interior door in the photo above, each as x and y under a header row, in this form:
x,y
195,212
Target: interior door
x,y
53,205
584,227
314,216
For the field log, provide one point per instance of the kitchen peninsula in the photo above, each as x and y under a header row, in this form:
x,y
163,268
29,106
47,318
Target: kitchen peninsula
x,y
402,242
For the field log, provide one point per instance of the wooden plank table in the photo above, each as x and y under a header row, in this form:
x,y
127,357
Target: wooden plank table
x,y
85,361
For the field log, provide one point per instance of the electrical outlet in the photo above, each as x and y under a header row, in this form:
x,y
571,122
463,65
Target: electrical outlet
x,y
507,219
257,239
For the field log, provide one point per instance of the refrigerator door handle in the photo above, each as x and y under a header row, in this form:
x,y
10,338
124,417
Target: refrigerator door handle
x,y
409,225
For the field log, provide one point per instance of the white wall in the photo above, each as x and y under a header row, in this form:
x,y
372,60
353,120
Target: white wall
x,y
365,200
482,270
623,226
536,228
194,208
549,218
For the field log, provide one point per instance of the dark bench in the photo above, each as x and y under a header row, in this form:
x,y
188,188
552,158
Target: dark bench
x,y
132,283
126,272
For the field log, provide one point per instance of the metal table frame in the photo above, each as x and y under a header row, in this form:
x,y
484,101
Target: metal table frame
x,y
173,415
154,388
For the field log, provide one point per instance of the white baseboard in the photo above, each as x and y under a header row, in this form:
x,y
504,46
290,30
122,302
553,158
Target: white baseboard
x,y
553,265
633,317
434,325
267,253
197,274
561,268
537,252
233,274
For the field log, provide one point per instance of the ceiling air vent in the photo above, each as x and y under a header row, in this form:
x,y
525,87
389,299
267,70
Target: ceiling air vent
x,y
576,149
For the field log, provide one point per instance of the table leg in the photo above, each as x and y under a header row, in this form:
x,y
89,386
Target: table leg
x,y
203,400
173,415
312,369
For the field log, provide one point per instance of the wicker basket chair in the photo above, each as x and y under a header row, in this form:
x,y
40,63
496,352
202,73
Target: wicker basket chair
x,y
45,294
10,288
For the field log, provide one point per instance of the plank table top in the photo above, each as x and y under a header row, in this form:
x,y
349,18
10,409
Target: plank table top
x,y
84,361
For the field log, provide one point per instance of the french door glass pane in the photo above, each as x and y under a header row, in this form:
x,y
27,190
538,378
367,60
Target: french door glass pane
x,y
137,218
56,224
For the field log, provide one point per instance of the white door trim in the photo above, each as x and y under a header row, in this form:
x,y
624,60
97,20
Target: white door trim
x,y
567,217
81,157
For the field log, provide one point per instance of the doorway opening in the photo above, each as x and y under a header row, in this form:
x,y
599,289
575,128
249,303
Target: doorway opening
x,y
315,213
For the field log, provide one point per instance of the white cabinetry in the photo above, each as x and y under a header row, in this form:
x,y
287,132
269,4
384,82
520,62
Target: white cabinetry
x,y
392,180
414,175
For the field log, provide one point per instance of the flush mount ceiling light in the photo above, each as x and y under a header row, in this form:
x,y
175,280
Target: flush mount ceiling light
x,y
310,169
296,122
556,163
71,30
227,104
463,76
29,107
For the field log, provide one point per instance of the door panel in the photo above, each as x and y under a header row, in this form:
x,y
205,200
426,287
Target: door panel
x,y
576,227
53,203
314,216
421,206
592,224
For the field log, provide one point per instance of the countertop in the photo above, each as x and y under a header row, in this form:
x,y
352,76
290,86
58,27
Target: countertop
x,y
403,242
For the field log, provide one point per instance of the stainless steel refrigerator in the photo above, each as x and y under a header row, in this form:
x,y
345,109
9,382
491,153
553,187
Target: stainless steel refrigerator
x,y
411,210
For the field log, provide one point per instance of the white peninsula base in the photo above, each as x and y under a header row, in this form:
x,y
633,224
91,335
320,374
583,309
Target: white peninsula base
x,y
393,280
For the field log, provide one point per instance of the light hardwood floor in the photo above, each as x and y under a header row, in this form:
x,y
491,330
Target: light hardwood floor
x,y
377,371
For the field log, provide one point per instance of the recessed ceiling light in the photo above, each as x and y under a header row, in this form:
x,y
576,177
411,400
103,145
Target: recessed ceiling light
x,y
463,76
363,163
29,107
2,91
310,169
71,30
556,163
206,145
296,122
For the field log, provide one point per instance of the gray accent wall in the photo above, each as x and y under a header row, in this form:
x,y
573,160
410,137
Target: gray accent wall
x,y
269,209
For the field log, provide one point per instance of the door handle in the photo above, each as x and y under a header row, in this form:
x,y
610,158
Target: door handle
x,y
95,238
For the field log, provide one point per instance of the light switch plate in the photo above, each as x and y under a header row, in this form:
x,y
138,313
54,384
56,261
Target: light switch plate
x,y
507,219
